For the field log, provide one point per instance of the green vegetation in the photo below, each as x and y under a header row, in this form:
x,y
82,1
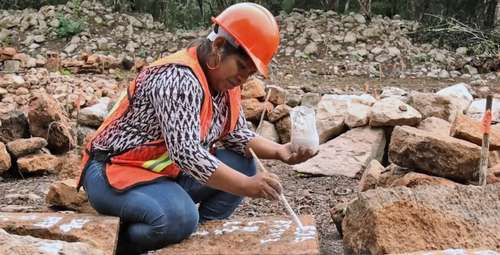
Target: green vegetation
x,y
69,27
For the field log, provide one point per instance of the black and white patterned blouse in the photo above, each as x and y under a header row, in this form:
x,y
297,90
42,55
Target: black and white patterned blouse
x,y
167,104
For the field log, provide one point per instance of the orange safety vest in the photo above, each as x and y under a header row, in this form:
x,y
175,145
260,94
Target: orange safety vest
x,y
150,161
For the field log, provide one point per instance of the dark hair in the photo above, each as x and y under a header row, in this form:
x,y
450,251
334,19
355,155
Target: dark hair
x,y
205,49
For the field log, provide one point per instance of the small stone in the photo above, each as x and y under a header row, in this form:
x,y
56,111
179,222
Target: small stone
x,y
22,147
38,163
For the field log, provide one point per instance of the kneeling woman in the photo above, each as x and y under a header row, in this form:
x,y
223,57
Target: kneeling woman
x,y
153,160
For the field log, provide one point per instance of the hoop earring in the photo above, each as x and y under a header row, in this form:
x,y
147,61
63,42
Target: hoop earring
x,y
219,59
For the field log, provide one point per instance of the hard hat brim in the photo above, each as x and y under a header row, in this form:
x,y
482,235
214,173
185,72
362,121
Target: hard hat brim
x,y
261,67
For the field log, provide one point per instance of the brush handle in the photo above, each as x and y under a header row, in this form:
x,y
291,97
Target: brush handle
x,y
288,208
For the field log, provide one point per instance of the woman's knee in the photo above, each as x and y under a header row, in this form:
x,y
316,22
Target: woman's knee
x,y
176,225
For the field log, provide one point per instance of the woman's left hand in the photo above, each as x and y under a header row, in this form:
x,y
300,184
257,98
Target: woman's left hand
x,y
293,154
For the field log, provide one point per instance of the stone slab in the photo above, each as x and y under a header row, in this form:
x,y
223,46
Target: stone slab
x,y
264,236
347,154
100,232
27,245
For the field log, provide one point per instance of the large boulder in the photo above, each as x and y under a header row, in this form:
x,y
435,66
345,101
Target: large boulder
x,y
48,121
23,147
469,129
435,125
347,154
434,154
432,105
458,94
43,111
393,112
330,116
397,220
5,161
13,125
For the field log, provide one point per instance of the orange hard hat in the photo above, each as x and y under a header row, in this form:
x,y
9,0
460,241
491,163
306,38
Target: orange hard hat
x,y
255,29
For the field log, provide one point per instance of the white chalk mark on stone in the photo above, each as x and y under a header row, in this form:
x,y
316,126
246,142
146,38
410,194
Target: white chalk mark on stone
x,y
308,233
52,247
74,224
28,217
48,222
276,231
233,226
487,252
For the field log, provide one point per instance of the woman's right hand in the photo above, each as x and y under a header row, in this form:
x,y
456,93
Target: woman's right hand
x,y
264,185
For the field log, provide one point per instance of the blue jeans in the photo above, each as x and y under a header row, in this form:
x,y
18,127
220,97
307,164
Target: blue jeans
x,y
164,212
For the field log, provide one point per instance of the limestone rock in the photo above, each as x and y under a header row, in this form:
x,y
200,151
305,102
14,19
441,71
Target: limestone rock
x,y
370,176
284,127
330,116
5,161
60,138
277,96
268,131
253,88
264,235
393,112
347,154
433,154
38,163
44,110
458,94
477,108
253,108
432,105
469,129
357,115
28,245
279,112
63,194
22,147
13,125
435,125
429,217
99,232
394,92
94,115
310,99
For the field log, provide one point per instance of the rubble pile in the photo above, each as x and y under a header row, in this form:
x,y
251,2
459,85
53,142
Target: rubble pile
x,y
342,44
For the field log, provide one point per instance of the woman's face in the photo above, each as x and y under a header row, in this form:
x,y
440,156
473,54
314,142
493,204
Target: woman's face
x,y
233,71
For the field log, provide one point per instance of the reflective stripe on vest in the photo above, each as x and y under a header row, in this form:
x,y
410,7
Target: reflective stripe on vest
x,y
157,165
